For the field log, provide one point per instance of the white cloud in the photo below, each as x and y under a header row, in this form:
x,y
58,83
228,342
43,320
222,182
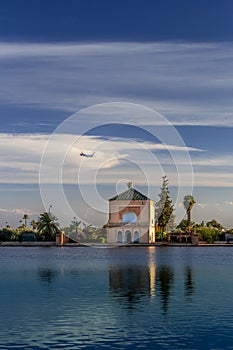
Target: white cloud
x,y
189,83
114,159
201,205
215,179
21,155
16,211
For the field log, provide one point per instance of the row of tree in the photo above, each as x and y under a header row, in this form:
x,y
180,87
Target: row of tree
x,y
45,228
47,225
84,233
164,209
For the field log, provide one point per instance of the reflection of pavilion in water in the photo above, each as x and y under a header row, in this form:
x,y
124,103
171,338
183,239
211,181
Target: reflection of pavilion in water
x,y
47,275
132,284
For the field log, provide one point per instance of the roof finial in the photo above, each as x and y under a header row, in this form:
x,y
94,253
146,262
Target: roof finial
x,y
130,184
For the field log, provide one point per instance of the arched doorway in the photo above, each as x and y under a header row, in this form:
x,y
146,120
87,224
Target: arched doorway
x,y
136,237
128,236
119,236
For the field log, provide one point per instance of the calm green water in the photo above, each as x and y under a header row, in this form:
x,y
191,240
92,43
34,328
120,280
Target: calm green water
x,y
123,298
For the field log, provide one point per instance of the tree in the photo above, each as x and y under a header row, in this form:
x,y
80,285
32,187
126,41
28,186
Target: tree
x,y
214,223
6,233
188,205
208,234
25,218
171,223
88,230
130,184
164,207
75,224
48,226
7,225
74,230
183,225
34,224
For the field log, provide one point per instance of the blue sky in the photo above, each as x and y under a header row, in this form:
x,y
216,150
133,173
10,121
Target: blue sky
x,y
58,58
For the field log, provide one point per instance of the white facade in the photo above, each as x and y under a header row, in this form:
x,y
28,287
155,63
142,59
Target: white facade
x,y
131,220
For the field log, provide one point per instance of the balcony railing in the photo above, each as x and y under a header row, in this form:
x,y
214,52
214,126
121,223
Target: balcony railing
x,y
118,224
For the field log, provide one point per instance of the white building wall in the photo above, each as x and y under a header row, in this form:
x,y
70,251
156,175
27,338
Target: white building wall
x,y
144,225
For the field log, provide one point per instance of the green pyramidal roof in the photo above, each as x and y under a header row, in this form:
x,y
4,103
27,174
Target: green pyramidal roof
x,y
130,194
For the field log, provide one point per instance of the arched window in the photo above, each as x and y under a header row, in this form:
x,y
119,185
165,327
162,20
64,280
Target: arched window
x,y
129,217
119,236
136,237
128,236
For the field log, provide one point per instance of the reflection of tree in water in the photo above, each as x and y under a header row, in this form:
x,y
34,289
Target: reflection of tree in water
x,y
47,274
165,279
129,284
188,282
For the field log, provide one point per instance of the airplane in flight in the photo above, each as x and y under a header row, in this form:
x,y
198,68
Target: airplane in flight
x,y
87,154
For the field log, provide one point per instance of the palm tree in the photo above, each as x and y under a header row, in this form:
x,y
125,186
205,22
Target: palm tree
x,y
25,218
87,230
7,225
34,224
48,226
76,224
188,205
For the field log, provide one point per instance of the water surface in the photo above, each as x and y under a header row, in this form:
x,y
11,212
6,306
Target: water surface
x,y
122,298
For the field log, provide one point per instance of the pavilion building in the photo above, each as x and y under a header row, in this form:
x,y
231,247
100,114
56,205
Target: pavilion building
x,y
131,218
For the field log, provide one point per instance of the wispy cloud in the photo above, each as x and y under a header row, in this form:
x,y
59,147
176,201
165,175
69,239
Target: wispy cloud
x,y
114,159
189,83
21,156
17,211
